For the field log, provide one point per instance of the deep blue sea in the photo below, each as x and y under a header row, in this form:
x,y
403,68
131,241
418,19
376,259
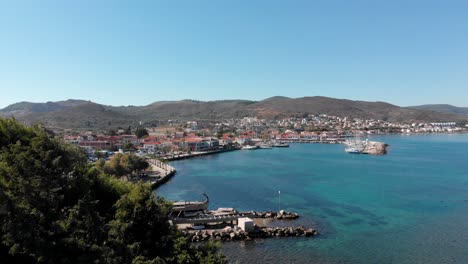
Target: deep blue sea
x,y
409,206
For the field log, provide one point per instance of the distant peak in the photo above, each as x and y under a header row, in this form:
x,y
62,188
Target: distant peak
x,y
275,98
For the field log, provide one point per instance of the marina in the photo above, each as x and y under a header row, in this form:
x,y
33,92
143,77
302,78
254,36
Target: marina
x,y
231,132
397,206
227,224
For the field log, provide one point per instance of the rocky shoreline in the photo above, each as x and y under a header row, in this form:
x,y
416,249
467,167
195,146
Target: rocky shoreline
x,y
375,148
237,234
276,215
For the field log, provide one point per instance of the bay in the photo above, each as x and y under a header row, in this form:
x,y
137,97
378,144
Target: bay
x,y
409,206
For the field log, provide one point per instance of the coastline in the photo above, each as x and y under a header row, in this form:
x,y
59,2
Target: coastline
x,y
359,211
198,154
167,171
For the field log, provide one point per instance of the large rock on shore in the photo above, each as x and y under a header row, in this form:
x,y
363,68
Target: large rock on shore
x,y
232,234
375,148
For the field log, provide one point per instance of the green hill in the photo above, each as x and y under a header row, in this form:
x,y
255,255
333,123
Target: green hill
x,y
443,108
77,114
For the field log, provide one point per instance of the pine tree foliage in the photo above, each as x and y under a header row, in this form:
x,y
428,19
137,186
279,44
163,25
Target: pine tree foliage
x,y
55,208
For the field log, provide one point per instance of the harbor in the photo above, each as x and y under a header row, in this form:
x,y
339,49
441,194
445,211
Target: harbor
x,y
160,171
227,224
198,224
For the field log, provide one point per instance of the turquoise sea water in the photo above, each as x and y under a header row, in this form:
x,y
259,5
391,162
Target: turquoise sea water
x,y
410,206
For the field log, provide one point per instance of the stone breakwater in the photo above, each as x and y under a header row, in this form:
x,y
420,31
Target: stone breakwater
x,y
276,215
237,234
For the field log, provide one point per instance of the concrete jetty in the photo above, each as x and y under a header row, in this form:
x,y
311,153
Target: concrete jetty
x,y
232,216
226,224
197,154
209,218
165,170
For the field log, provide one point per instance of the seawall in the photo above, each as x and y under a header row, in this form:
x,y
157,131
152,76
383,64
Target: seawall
x,y
166,171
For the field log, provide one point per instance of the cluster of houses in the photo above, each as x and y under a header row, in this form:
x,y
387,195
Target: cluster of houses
x,y
163,144
149,144
195,137
440,127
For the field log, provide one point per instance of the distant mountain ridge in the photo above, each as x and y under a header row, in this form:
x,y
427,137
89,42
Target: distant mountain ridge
x,y
23,108
443,108
80,114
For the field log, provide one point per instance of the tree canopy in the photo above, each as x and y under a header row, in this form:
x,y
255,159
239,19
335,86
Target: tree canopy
x,y
56,208
124,164
141,132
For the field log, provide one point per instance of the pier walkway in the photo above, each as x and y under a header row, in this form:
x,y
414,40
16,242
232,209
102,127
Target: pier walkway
x,y
307,140
198,154
166,171
209,218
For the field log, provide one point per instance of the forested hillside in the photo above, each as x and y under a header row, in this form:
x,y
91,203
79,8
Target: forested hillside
x,y
56,208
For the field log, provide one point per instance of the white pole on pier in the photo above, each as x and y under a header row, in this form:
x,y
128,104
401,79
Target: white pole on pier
x,y
279,201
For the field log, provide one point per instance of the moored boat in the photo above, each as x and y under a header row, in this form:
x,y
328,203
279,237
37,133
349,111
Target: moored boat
x,y
281,145
355,146
248,147
265,146
191,205
353,150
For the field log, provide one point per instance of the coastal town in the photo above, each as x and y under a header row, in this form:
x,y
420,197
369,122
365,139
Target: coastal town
x,y
219,132
173,139
176,139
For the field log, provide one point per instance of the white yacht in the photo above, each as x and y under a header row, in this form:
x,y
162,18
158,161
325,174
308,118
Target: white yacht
x,y
265,146
248,147
353,150
355,146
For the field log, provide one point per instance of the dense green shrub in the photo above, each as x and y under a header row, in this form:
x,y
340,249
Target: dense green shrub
x,y
56,208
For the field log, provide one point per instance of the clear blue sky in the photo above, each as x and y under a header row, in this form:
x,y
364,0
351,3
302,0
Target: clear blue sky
x,y
404,52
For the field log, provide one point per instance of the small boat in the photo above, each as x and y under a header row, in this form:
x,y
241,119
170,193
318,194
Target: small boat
x,y
355,146
281,145
197,227
191,206
353,150
191,214
248,147
265,146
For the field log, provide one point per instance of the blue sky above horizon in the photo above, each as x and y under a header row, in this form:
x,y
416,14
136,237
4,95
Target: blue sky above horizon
x,y
137,52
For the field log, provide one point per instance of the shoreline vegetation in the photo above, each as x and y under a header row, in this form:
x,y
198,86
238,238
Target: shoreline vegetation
x,y
56,207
